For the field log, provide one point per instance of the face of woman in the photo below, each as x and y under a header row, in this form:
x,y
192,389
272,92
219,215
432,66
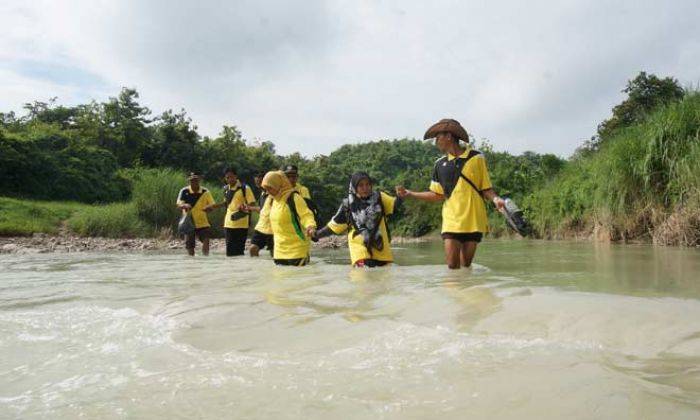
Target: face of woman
x,y
364,188
271,191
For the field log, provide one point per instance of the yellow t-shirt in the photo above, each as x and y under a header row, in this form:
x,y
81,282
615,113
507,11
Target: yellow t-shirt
x,y
237,200
288,245
198,200
465,210
303,191
358,251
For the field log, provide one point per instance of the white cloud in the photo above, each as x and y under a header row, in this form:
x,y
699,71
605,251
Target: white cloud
x,y
313,75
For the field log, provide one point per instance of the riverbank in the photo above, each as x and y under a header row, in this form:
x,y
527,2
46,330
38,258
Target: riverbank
x,y
41,243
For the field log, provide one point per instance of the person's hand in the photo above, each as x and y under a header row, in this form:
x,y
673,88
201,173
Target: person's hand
x,y
311,231
499,203
244,208
402,192
185,207
209,208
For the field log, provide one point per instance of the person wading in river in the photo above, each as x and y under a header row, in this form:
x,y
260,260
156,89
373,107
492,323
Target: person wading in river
x,y
237,197
363,214
260,240
461,182
196,200
286,216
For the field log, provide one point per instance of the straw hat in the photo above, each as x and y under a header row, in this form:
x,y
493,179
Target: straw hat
x,y
449,126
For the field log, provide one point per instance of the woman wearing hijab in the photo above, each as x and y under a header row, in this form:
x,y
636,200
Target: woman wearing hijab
x,y
286,216
363,214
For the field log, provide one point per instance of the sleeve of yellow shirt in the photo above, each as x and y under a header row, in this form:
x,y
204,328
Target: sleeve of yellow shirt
x,y
484,179
435,184
305,193
207,199
249,196
263,224
306,217
388,203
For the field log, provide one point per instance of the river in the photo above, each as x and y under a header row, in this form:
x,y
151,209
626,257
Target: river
x,y
535,330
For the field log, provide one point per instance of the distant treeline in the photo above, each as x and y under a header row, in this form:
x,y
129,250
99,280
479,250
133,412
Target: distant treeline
x,y
94,153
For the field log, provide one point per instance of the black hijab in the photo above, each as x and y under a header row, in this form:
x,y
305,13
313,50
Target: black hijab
x,y
365,213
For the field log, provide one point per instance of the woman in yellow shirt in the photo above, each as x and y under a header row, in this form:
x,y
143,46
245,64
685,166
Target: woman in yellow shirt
x,y
287,217
363,214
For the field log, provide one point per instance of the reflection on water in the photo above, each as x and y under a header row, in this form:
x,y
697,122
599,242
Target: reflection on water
x,y
534,330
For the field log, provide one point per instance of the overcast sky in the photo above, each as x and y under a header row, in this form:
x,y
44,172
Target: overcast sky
x,y
312,75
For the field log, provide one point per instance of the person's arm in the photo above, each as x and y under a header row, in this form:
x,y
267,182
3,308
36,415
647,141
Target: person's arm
x,y
306,216
491,196
249,199
337,225
263,225
180,203
429,196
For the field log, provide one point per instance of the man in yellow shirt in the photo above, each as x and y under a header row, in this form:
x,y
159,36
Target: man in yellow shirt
x,y
196,200
292,173
461,181
237,197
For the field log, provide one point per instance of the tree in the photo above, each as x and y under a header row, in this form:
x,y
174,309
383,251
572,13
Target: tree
x,y
645,93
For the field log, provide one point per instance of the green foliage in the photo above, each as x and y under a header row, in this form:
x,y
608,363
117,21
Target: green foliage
x,y
116,220
645,93
642,173
45,162
24,217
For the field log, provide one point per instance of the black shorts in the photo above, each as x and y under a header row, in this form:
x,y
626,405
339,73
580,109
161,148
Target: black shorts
x,y
262,240
463,237
295,261
368,262
200,233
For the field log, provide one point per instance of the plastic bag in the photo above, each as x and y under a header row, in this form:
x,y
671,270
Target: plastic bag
x,y
515,218
186,225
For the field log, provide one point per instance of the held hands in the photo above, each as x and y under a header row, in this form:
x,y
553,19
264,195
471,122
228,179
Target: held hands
x,y
402,192
311,232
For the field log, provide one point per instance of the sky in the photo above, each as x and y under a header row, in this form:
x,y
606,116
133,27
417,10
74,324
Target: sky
x,y
313,75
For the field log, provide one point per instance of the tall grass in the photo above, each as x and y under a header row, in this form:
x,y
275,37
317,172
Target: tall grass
x,y
116,220
639,178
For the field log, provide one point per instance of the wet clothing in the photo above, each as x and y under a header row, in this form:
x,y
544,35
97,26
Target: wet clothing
x,y
463,237
463,210
277,218
199,233
198,200
370,263
235,241
365,221
236,196
262,235
299,262
262,240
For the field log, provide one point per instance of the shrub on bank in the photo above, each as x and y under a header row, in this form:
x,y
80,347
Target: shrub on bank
x,y
116,220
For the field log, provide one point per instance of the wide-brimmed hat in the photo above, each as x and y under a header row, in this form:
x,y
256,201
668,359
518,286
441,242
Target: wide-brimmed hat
x,y
193,175
447,125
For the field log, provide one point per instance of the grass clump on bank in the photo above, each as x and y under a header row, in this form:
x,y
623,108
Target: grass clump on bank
x,y
643,183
